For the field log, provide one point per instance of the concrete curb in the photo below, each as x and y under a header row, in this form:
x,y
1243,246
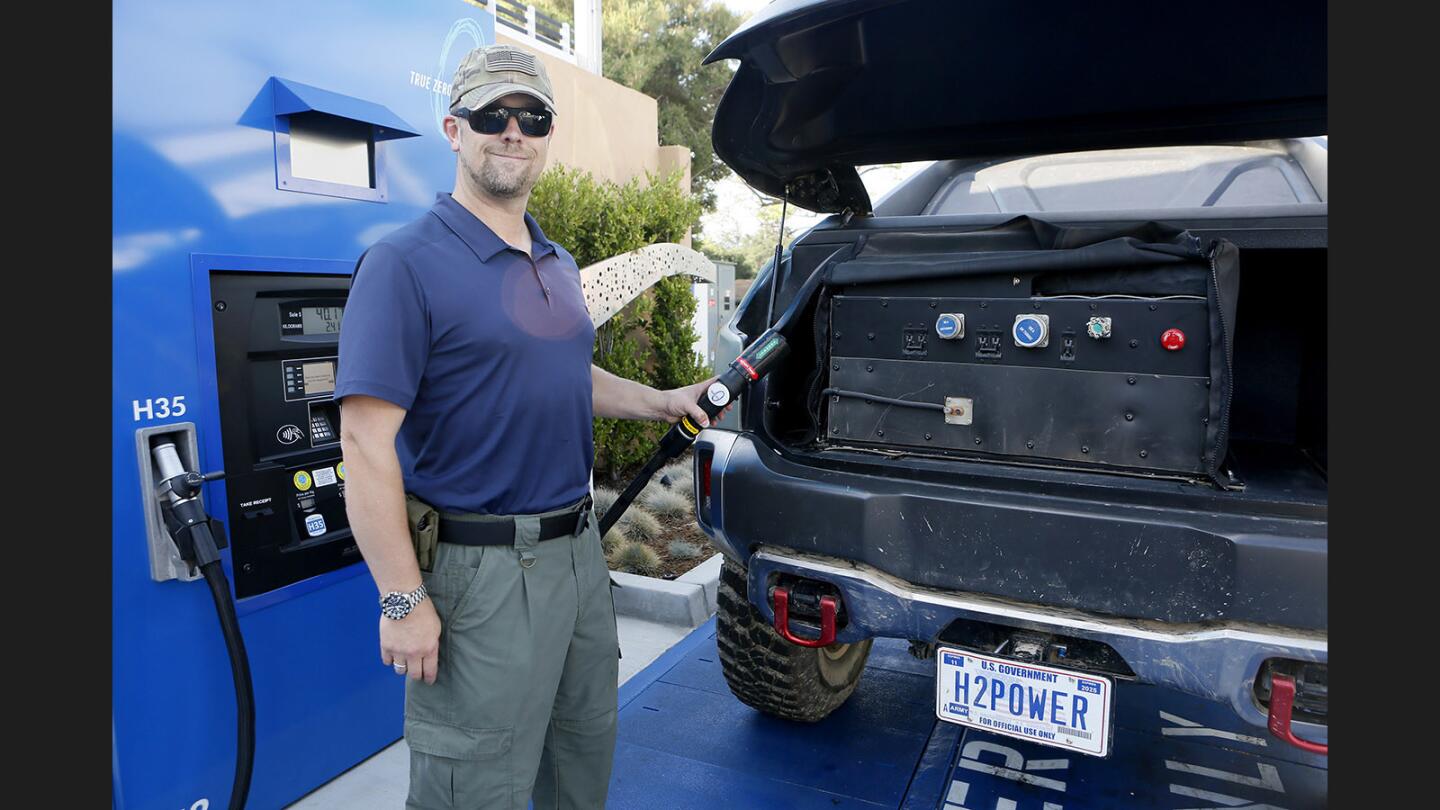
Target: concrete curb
x,y
688,600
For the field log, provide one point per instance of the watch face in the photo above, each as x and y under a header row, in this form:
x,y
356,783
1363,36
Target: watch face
x,y
395,606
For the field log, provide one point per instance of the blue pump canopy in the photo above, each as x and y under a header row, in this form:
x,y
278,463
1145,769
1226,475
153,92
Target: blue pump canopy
x,y
290,97
310,123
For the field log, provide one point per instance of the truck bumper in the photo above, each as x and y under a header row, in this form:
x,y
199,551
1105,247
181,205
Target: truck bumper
x,y
1217,663
1197,629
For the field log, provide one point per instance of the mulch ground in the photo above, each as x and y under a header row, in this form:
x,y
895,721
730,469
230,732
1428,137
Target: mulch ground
x,y
680,528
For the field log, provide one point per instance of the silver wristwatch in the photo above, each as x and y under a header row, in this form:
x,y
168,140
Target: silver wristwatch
x,y
396,605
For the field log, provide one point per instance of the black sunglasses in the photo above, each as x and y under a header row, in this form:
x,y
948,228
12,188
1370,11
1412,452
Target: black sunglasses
x,y
493,120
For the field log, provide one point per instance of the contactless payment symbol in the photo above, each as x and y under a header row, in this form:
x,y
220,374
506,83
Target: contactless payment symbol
x,y
314,525
302,480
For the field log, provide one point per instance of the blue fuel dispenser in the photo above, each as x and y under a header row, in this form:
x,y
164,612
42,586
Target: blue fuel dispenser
x,y
258,148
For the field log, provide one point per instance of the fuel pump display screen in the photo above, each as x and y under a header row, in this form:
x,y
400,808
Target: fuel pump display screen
x,y
320,320
309,377
319,378
309,319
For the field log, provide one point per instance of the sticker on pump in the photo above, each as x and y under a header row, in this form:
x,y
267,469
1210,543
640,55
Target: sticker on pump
x,y
718,393
314,525
340,471
325,476
302,480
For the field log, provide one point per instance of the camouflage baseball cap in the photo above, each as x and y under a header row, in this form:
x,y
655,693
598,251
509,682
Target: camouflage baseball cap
x,y
492,71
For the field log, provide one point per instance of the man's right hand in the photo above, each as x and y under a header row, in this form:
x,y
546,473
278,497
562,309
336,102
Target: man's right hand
x,y
413,642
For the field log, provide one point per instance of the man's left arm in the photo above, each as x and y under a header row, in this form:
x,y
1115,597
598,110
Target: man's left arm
x,y
619,398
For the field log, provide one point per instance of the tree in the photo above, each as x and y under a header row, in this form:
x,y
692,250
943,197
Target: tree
x,y
743,268
656,46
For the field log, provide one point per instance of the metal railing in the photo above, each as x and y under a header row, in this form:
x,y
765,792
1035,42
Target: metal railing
x,y
547,33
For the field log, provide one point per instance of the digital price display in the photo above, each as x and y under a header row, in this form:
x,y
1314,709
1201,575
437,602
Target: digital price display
x,y
306,320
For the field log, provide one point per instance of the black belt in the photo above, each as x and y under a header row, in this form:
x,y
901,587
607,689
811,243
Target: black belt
x,y
461,532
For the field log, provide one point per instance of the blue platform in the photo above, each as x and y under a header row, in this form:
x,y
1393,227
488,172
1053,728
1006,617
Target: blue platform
x,y
686,742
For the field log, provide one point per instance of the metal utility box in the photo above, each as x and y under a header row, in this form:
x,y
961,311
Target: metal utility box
x,y
725,292
704,321
714,304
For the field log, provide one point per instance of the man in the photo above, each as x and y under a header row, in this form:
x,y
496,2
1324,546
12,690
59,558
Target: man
x,y
465,380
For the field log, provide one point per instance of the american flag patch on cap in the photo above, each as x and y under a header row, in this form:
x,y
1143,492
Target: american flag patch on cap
x,y
511,59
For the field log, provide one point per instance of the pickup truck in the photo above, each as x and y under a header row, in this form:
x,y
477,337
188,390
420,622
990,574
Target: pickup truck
x,y
1057,412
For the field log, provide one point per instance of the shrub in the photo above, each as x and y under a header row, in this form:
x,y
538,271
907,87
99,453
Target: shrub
x,y
637,558
681,550
604,499
672,335
638,524
680,474
664,501
612,540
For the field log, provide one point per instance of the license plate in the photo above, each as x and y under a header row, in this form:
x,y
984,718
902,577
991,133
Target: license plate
x,y
1056,707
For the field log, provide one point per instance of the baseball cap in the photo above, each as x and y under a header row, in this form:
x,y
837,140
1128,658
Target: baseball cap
x,y
492,71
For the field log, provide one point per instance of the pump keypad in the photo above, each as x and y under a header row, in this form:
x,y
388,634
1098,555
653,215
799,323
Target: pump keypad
x,y
320,429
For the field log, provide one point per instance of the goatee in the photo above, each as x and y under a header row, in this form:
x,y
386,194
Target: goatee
x,y
497,183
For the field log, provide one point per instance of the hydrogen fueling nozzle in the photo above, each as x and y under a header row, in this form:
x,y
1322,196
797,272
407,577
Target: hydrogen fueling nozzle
x,y
757,360
199,539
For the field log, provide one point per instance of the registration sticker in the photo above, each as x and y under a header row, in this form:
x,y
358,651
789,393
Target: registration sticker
x,y
1055,707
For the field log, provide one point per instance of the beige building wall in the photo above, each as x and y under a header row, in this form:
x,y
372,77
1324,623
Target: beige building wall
x,y
602,127
672,158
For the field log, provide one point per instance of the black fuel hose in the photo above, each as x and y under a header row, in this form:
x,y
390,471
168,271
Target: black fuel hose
x,y
632,491
757,360
239,663
244,690
194,534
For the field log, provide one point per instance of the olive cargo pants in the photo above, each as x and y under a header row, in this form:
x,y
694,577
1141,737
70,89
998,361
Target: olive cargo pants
x,y
524,698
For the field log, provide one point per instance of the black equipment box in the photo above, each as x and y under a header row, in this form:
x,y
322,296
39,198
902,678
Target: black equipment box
x,y
1118,379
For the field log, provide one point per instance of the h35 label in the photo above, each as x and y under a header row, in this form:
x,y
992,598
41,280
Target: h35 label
x,y
147,410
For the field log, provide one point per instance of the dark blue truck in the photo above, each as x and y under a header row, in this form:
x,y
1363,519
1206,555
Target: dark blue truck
x,y
1059,406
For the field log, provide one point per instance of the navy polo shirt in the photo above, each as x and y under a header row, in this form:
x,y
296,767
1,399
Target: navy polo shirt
x,y
488,350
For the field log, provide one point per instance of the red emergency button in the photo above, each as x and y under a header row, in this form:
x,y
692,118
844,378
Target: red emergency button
x,y
1173,340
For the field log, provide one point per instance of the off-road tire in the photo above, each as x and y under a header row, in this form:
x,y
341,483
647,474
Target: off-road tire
x,y
769,673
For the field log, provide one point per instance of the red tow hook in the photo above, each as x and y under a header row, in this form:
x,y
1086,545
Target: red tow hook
x,y
1282,700
827,620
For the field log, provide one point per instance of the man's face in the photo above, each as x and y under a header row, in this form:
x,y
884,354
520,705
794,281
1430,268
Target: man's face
x,y
504,166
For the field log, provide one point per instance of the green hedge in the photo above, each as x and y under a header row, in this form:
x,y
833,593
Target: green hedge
x,y
596,220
